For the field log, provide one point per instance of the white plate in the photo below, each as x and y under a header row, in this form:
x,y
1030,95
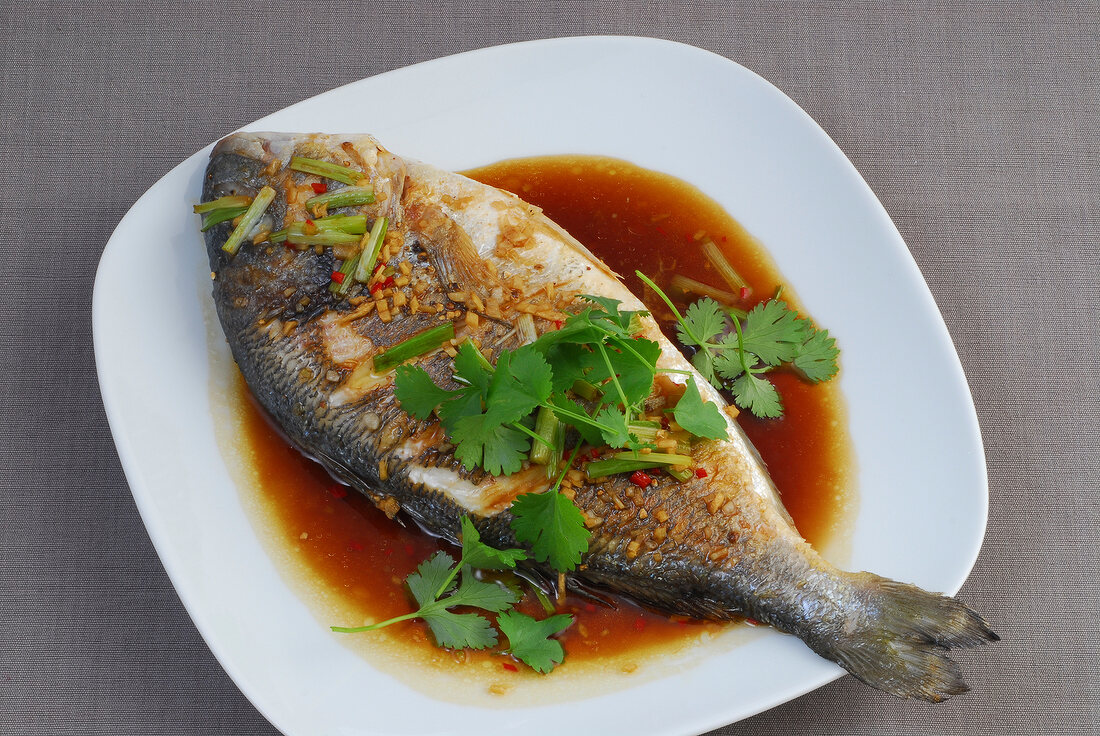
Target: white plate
x,y
662,105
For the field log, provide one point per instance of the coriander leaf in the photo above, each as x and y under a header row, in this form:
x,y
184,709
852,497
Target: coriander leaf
x,y
430,575
553,526
623,322
704,320
468,367
464,403
476,553
482,442
727,360
817,360
529,640
569,362
634,364
773,332
701,418
615,430
480,594
417,392
572,413
757,395
459,630
521,382
704,362
578,328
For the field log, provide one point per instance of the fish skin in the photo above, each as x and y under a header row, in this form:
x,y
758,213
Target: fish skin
x,y
714,547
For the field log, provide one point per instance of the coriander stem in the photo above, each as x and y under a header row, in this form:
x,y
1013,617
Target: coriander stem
x,y
565,469
614,378
679,317
741,347
578,417
450,578
533,435
379,625
546,427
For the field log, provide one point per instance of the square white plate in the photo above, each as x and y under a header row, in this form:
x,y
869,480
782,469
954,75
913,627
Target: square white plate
x,y
664,106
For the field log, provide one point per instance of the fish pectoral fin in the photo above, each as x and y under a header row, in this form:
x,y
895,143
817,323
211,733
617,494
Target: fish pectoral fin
x,y
450,249
898,643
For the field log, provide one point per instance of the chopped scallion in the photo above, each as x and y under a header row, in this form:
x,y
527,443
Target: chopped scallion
x,y
546,425
680,474
654,457
603,468
371,247
691,286
222,203
586,390
216,217
340,287
248,221
328,170
722,264
324,237
425,342
645,431
346,197
356,224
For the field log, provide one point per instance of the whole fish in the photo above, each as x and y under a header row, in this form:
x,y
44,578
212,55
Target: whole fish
x,y
715,547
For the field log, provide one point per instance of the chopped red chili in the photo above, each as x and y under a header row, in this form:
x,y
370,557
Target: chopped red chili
x,y
319,187
375,288
639,623
354,546
745,292
509,666
337,490
338,277
700,472
640,479
388,282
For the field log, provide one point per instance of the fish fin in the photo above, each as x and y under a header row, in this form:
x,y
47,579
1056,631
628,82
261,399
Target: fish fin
x,y
901,647
450,249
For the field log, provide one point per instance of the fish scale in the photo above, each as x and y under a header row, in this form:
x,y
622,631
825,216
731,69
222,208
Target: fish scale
x,y
715,547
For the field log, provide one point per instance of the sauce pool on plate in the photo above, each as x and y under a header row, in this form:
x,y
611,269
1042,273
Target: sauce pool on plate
x,y
632,218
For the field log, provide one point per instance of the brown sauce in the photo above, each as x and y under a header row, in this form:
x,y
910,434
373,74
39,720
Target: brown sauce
x,y
632,218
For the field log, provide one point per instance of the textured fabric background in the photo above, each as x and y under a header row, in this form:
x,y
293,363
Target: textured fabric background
x,y
978,126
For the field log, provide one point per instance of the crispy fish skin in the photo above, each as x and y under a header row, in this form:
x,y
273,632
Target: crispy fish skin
x,y
713,547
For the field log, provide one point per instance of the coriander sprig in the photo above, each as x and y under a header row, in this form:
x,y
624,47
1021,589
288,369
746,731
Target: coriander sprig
x,y
528,639
772,335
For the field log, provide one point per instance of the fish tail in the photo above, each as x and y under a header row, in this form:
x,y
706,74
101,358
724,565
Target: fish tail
x,y
899,642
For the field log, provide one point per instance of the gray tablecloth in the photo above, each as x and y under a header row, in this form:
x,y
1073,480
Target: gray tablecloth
x,y
978,127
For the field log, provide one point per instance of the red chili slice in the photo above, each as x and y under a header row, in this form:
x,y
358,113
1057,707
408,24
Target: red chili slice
x,y
640,479
337,490
319,187
700,472
338,277
509,666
